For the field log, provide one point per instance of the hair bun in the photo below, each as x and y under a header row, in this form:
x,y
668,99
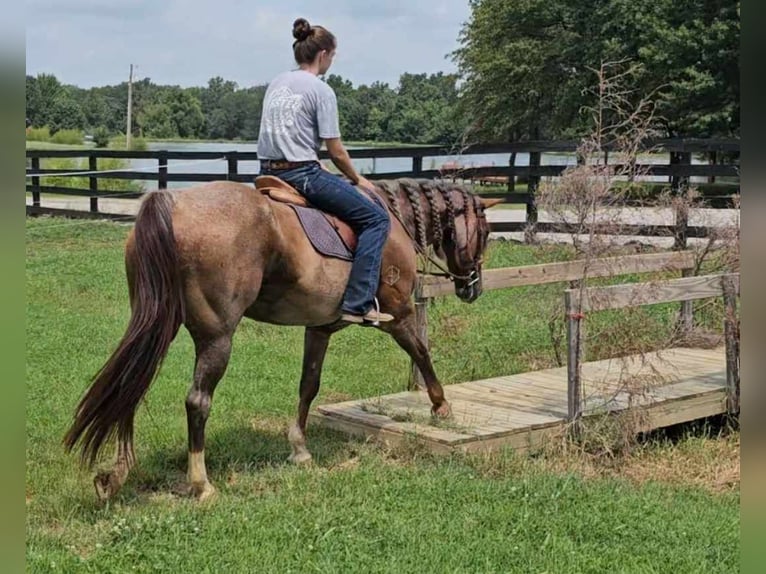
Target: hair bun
x,y
301,29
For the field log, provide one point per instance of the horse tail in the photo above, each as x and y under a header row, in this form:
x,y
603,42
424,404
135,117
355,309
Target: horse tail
x,y
157,303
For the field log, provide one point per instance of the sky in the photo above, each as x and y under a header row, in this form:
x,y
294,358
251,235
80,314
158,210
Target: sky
x,y
186,42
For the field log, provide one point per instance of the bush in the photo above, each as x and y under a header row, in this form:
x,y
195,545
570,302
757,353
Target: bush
x,y
101,137
69,137
42,134
136,143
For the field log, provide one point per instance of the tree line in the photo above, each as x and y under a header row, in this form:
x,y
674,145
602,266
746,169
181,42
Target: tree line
x,y
421,109
525,71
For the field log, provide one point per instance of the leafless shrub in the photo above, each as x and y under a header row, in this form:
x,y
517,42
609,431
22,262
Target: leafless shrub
x,y
595,203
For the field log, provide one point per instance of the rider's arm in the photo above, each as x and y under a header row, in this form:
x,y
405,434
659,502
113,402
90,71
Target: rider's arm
x,y
341,159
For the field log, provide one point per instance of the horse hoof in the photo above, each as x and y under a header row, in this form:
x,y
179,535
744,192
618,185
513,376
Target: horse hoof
x,y
300,458
442,411
107,484
203,492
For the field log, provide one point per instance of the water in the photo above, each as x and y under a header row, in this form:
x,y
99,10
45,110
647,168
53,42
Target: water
x,y
362,165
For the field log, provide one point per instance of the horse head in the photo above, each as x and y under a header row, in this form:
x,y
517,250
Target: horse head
x,y
465,240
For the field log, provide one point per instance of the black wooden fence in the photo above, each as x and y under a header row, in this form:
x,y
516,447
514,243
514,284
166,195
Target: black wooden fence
x,y
678,170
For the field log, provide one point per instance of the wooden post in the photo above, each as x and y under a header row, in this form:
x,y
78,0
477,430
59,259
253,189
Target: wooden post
x,y
231,158
36,182
534,181
574,384
162,179
686,320
93,182
421,320
731,334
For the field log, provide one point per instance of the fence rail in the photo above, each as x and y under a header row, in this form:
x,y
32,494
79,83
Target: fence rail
x,y
678,170
429,287
686,289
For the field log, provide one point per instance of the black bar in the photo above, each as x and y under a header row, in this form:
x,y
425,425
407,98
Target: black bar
x,y
231,158
76,213
36,183
607,229
93,183
534,181
78,192
669,145
162,171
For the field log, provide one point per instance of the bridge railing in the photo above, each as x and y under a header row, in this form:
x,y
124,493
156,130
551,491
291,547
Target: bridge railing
x,y
687,289
430,287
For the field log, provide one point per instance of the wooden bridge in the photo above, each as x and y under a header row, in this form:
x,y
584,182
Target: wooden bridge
x,y
656,389
522,410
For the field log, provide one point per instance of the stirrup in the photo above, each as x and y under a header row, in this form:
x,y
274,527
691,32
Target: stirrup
x,y
373,317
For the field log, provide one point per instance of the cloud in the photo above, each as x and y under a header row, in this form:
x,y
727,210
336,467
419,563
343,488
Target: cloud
x,y
93,42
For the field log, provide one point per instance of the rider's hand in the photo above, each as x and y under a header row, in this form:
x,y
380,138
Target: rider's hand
x,y
365,183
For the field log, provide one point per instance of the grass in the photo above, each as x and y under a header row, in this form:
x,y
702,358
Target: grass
x,y
50,145
671,505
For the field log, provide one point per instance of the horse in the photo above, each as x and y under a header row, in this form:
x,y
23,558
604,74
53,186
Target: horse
x,y
208,255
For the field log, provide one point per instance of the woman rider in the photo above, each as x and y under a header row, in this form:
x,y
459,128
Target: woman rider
x,y
300,112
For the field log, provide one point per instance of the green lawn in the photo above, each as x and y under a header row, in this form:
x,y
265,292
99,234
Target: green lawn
x,y
360,507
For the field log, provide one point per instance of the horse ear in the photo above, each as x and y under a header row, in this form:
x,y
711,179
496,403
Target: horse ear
x,y
487,203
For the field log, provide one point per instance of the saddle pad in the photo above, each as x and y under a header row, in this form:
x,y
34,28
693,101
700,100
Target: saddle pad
x,y
321,233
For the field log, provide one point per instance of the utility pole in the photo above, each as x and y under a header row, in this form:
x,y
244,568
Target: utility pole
x,y
130,107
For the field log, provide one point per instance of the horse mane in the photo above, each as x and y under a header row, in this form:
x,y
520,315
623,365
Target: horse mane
x,y
413,191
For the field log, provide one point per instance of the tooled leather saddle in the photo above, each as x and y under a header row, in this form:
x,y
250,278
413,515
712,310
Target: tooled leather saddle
x,y
328,234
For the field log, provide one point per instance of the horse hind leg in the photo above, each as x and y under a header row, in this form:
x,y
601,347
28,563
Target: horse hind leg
x,y
109,482
212,360
314,351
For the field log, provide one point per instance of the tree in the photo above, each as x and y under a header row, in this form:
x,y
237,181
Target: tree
x,y
174,113
42,94
66,113
526,64
689,51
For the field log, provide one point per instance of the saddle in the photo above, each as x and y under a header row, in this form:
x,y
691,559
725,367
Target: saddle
x,y
281,191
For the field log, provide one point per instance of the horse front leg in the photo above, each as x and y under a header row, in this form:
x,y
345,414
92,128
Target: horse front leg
x,y
315,344
405,333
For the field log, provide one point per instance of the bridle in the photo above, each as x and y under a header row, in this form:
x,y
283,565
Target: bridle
x,y
453,213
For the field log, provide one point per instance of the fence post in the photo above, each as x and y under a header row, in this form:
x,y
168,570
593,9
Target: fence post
x,y
93,182
417,165
421,321
574,384
162,177
512,175
534,181
687,309
232,160
731,334
36,183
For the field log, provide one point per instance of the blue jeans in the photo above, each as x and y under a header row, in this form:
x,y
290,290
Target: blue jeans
x,y
370,222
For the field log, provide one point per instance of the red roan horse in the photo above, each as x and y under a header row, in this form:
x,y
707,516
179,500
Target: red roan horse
x,y
211,254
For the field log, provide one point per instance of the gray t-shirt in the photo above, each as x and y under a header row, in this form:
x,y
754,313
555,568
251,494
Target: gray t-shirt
x,y
299,111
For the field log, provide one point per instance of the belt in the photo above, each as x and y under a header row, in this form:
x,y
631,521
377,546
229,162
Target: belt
x,y
284,164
